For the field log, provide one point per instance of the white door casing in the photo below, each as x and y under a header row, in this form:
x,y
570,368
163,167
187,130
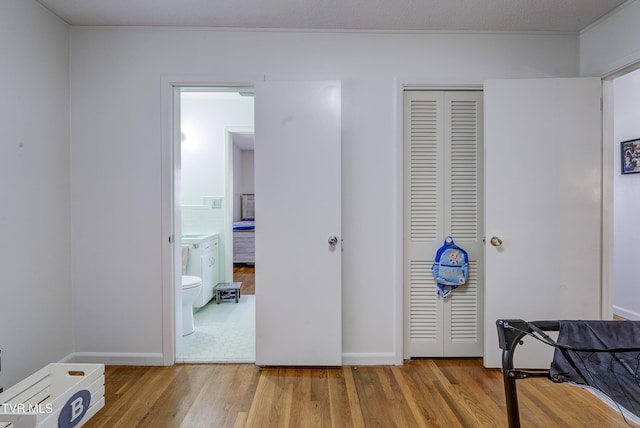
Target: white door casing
x,y
543,200
298,208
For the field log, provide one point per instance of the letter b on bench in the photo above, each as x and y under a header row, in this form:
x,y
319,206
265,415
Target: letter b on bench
x,y
74,409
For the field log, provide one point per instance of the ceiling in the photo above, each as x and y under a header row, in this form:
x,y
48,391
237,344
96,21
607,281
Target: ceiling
x,y
398,15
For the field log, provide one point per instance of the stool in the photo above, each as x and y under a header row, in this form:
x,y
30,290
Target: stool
x,y
227,291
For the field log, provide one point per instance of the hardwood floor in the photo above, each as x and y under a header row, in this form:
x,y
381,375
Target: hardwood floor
x,y
421,393
247,275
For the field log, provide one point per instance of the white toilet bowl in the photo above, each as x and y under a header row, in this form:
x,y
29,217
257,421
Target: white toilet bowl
x,y
191,290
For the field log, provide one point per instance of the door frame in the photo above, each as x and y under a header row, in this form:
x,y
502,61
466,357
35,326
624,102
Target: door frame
x,y
400,86
608,160
229,193
169,218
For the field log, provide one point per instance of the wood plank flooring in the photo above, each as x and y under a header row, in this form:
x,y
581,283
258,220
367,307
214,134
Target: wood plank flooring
x,y
421,393
247,275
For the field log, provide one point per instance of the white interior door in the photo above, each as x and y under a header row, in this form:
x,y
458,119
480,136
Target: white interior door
x,y
298,210
543,200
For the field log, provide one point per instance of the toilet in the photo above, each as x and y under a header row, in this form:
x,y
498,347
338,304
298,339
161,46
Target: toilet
x,y
191,290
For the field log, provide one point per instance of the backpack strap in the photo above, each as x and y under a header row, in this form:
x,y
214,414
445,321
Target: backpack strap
x,y
445,290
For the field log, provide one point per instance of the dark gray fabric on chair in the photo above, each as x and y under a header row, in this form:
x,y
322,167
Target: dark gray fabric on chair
x,y
604,355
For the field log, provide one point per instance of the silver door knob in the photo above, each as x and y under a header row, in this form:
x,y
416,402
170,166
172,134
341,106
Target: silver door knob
x,y
495,241
333,241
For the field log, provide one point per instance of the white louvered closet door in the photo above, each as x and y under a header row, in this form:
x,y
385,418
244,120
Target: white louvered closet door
x,y
442,196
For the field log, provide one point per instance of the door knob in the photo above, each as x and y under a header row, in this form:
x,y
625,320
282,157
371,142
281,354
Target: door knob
x,y
495,241
333,241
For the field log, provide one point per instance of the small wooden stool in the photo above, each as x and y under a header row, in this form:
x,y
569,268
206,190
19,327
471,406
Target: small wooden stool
x,y
227,291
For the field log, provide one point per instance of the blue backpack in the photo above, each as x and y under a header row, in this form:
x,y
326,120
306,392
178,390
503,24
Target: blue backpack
x,y
451,267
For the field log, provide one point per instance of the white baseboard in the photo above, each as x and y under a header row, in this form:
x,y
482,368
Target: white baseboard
x,y
116,358
625,313
369,359
67,359
156,359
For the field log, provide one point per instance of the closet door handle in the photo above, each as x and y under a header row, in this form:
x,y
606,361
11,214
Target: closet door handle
x,y
333,241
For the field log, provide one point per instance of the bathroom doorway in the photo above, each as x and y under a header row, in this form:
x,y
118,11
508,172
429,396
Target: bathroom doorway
x,y
214,168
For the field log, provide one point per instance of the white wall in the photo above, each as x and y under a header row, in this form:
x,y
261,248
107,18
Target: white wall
x,y
35,302
243,178
237,183
205,117
606,47
611,43
116,76
248,168
205,120
626,291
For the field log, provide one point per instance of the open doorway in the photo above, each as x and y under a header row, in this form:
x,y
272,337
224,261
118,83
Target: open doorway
x,y
212,325
242,143
626,194
291,178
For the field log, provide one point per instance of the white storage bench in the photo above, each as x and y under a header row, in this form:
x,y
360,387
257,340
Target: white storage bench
x,y
59,395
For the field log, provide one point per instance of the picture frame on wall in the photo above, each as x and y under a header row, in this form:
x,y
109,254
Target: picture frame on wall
x,y
630,156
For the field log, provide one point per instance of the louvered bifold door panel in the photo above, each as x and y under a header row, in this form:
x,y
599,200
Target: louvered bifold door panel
x,y
425,154
463,319
423,220
463,161
425,329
